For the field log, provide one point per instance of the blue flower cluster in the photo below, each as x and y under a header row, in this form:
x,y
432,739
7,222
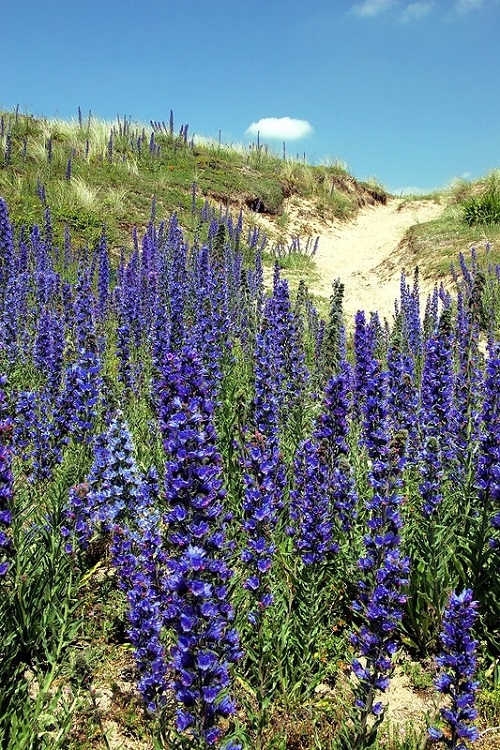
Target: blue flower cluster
x,y
212,318
6,245
118,501
403,396
324,485
487,478
332,429
138,556
111,492
284,342
263,480
410,313
196,579
364,348
457,665
468,380
438,413
311,518
6,485
385,569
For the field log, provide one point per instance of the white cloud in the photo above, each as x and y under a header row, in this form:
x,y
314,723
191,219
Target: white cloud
x,y
370,8
407,12
403,11
284,128
415,11
464,6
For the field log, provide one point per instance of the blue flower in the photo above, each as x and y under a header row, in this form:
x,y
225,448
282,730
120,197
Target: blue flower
x,y
438,418
384,567
6,485
77,406
112,491
487,477
194,581
138,556
364,347
6,245
264,480
457,664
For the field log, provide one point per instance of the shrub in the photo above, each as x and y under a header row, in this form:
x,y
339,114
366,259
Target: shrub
x,y
485,207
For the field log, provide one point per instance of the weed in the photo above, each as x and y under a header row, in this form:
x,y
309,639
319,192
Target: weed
x,y
420,678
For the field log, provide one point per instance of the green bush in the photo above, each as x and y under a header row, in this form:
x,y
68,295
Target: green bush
x,y
484,208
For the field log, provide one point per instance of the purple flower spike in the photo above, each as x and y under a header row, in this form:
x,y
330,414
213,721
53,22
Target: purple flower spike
x,y
197,606
324,496
111,493
457,665
6,244
264,479
6,486
487,476
137,555
384,568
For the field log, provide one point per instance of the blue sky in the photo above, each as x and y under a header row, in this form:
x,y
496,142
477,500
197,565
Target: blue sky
x,y
406,92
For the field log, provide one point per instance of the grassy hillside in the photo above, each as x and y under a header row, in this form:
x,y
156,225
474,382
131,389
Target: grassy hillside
x,y
435,246
95,172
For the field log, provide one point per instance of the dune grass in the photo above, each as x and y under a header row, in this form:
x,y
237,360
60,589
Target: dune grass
x,y
435,245
95,172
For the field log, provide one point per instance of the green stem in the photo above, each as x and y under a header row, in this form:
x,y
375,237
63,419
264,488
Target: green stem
x,y
284,682
261,688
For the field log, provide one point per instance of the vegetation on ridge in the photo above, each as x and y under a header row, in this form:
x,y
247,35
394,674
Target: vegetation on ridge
x,y
96,172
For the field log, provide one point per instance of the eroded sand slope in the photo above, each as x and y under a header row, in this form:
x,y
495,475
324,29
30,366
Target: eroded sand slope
x,y
359,253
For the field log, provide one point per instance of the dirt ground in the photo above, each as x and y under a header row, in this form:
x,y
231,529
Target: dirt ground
x,y
359,252
365,253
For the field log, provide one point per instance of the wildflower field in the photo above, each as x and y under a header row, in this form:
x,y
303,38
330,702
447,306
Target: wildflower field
x,y
232,517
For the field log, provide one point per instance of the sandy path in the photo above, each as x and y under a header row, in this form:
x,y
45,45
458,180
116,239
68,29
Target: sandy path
x,y
359,252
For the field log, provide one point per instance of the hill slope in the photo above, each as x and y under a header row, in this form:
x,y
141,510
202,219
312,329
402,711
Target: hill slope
x,y
91,173
365,254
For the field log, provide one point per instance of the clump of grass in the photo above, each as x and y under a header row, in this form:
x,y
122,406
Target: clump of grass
x,y
114,198
344,206
483,207
295,255
84,194
435,245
